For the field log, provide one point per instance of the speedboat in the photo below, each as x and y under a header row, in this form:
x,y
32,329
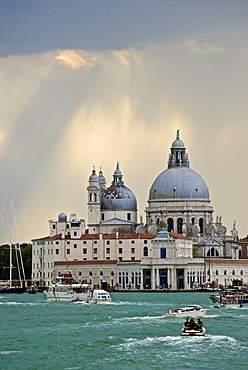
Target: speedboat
x,y
99,296
66,289
192,310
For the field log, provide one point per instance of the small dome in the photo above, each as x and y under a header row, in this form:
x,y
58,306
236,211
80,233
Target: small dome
x,y
178,144
102,179
93,176
118,197
62,217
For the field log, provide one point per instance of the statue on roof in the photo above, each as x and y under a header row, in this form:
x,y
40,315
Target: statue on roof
x,y
178,134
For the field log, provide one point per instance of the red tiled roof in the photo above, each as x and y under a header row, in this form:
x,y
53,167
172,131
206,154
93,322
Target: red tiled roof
x,y
113,236
226,261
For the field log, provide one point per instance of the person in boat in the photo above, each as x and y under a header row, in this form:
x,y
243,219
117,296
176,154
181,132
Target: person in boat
x,y
192,324
199,325
186,324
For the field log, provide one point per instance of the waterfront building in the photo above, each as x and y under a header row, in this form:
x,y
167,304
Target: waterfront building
x,y
179,246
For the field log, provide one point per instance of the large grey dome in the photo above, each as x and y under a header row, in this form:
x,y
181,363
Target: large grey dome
x,y
179,183
118,197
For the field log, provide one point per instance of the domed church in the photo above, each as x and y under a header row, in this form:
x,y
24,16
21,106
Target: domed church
x,y
182,195
112,209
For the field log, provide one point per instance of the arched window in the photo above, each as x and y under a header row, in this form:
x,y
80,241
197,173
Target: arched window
x,y
95,197
217,272
213,252
101,273
241,272
79,273
90,197
90,273
179,225
224,272
145,252
170,222
192,221
112,273
201,225
233,272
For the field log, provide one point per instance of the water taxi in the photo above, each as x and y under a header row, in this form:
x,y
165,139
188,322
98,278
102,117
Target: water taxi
x,y
192,310
99,296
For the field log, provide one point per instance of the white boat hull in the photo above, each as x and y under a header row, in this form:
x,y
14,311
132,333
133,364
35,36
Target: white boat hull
x,y
193,332
188,313
66,297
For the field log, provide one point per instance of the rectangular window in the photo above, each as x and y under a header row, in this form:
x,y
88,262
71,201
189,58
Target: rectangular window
x,y
95,258
132,250
163,253
48,251
120,241
133,241
95,250
48,265
108,242
34,252
57,242
120,250
132,258
75,233
54,227
145,241
102,216
51,251
95,241
85,242
84,259
33,265
67,226
68,251
107,258
107,250
57,251
75,245
129,216
84,250
120,258
68,242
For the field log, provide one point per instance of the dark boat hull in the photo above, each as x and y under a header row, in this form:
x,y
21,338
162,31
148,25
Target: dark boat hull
x,y
12,290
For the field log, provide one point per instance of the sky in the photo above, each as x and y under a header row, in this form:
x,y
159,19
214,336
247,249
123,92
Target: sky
x,y
93,83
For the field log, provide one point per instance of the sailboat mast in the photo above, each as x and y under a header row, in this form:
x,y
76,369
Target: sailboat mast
x,y
10,243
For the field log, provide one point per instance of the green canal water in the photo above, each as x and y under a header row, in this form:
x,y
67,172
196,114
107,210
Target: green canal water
x,y
129,333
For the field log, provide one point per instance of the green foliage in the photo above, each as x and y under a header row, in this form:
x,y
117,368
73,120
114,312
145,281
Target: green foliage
x,y
195,251
4,262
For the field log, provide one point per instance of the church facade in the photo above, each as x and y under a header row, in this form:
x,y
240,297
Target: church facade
x,y
178,247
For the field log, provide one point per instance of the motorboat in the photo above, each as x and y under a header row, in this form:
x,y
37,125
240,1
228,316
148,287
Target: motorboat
x,y
192,328
228,301
240,294
192,310
99,296
66,289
